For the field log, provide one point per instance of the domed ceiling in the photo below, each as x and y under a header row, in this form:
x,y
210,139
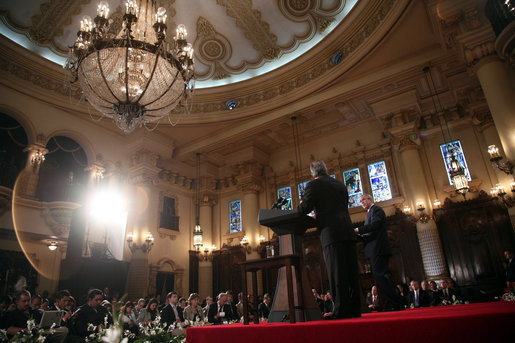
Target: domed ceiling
x,y
234,40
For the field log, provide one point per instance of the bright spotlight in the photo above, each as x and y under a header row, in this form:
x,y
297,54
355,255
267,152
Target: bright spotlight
x,y
106,206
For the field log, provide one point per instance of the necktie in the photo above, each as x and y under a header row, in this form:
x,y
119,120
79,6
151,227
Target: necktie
x,y
416,299
374,300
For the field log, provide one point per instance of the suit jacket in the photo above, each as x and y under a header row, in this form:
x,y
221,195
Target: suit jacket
x,y
375,234
263,310
213,311
168,315
447,298
329,199
424,299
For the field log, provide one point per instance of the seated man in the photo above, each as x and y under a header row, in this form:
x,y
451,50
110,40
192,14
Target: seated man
x,y
418,297
220,311
372,300
16,320
172,314
265,307
89,313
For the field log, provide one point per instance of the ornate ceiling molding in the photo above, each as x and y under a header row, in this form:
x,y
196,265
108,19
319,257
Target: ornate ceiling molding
x,y
312,13
255,29
369,24
213,50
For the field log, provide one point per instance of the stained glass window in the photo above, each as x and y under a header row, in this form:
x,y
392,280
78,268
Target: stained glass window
x,y
448,150
301,188
235,216
379,181
285,193
352,180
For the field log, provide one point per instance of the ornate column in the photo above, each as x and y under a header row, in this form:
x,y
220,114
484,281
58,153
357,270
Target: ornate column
x,y
205,269
483,120
250,183
406,140
476,42
143,172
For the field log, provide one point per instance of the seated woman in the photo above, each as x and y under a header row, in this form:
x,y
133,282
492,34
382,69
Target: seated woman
x,y
193,312
149,313
128,318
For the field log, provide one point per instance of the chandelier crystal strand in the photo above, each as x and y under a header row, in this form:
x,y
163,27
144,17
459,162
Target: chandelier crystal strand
x,y
136,77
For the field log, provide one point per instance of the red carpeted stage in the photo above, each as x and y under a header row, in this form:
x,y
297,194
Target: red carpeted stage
x,y
485,322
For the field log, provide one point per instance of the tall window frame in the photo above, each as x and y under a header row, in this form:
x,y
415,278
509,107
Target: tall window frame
x,y
352,180
235,217
379,182
450,149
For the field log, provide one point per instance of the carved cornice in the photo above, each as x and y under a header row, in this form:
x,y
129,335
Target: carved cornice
x,y
481,117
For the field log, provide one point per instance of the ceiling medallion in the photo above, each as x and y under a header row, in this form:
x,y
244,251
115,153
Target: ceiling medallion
x,y
138,76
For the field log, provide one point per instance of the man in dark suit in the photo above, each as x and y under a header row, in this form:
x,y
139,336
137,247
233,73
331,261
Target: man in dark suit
x,y
329,199
378,251
172,313
219,311
418,297
264,307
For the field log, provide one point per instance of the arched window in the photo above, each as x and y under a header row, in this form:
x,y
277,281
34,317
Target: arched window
x,y
13,140
62,175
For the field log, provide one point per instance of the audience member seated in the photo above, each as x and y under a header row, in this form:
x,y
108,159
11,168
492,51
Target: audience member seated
x,y
16,320
264,307
251,307
128,319
328,305
35,303
319,301
182,303
60,304
418,298
171,314
455,291
232,306
372,300
208,301
399,289
90,313
239,305
445,294
149,313
193,312
139,306
218,312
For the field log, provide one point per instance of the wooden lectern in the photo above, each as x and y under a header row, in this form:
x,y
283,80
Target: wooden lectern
x,y
290,225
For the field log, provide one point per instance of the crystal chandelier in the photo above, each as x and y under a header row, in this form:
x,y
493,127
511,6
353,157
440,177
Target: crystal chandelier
x,y
136,77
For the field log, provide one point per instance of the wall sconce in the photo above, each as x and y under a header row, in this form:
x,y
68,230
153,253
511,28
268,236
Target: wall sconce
x,y
245,244
499,192
437,203
423,217
207,254
37,158
145,247
406,210
52,246
497,160
512,185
